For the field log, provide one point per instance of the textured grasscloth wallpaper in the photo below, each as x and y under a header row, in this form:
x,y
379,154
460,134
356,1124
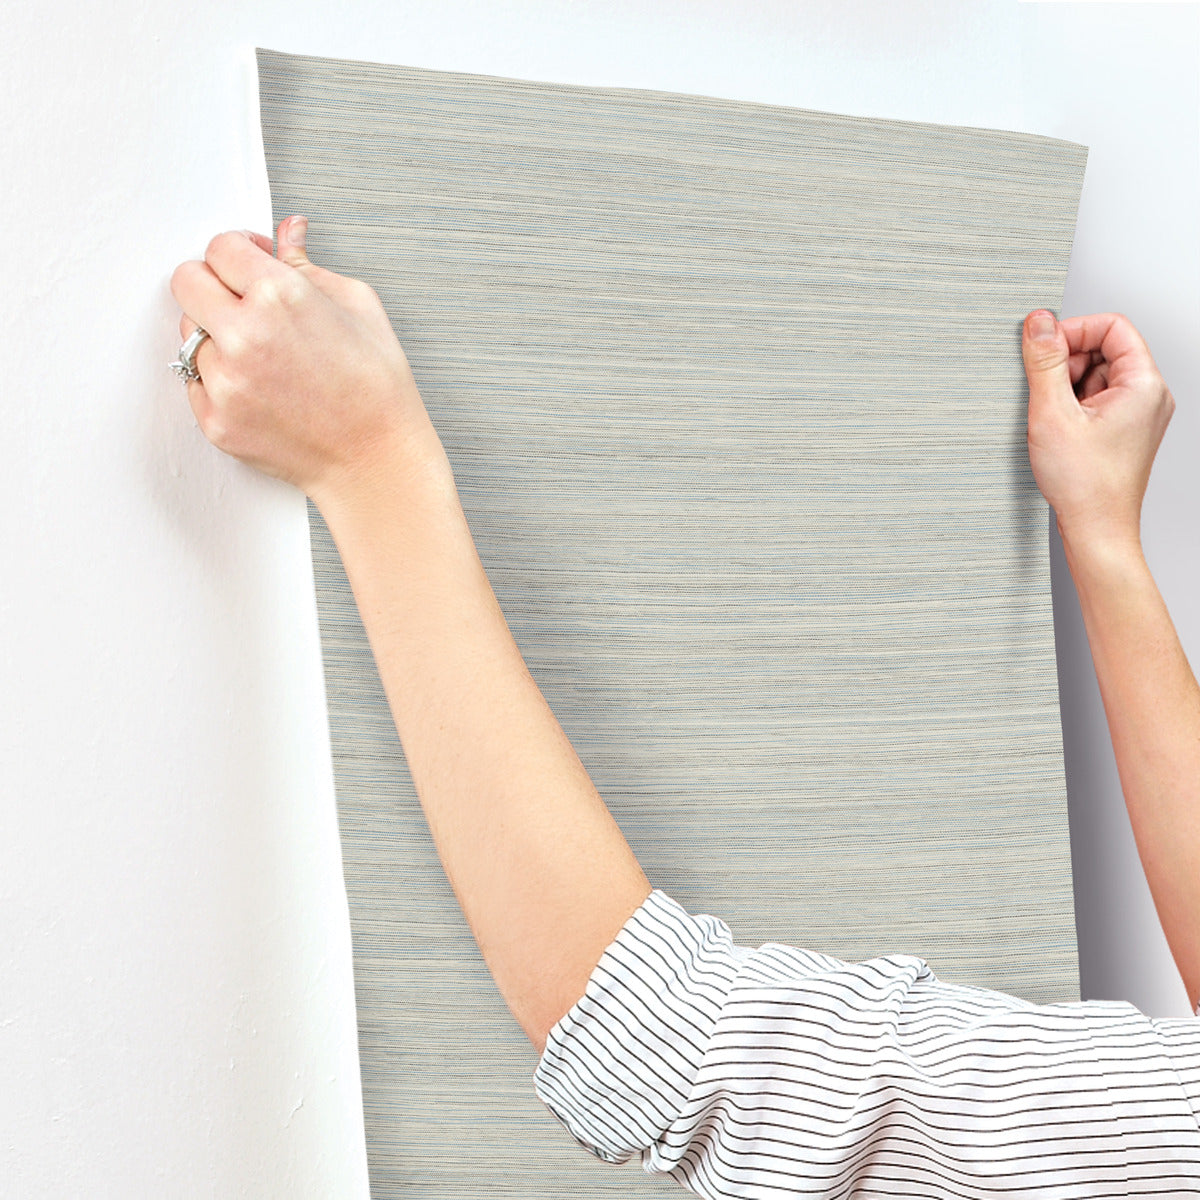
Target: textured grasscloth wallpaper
x,y
734,398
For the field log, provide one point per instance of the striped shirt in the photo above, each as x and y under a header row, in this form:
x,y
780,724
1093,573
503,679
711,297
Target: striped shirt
x,y
779,1072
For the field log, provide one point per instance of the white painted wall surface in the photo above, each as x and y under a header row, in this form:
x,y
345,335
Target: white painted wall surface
x,y
176,1003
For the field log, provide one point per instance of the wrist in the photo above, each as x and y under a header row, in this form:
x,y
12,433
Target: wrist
x,y
405,473
1098,552
1100,536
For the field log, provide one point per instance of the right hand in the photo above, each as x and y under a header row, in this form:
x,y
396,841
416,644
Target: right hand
x,y
1098,409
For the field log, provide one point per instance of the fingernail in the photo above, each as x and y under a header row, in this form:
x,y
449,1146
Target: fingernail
x,y
1041,324
296,230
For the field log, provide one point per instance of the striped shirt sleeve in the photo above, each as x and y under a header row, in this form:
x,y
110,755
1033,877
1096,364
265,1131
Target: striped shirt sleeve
x,y
779,1072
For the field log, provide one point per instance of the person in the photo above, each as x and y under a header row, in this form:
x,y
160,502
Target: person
x,y
748,1072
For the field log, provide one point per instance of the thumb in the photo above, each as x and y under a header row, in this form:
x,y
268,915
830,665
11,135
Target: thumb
x,y
1047,356
291,236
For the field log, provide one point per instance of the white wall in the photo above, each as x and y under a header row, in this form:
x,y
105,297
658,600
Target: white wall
x,y
176,1005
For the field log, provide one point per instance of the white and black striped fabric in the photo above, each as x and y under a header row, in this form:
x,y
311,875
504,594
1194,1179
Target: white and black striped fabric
x,y
780,1072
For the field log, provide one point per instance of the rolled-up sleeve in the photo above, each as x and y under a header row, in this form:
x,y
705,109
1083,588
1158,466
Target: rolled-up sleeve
x,y
779,1071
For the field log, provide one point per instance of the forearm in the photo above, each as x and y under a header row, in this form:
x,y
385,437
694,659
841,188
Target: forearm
x,y
543,873
1152,703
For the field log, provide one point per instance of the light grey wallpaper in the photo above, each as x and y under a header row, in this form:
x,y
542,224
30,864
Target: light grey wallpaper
x,y
734,398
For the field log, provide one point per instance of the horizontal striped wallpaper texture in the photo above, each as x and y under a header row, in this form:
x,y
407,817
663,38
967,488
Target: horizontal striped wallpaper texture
x,y
734,399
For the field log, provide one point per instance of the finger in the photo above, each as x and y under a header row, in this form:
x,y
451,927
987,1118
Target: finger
x,y
1096,380
1044,349
1108,335
1079,363
201,404
261,240
199,400
1082,362
293,250
292,235
186,328
202,295
238,260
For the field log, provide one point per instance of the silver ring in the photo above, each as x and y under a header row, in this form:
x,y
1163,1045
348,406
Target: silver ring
x,y
185,365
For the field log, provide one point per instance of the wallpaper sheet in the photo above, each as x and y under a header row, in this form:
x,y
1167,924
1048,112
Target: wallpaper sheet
x,y
734,399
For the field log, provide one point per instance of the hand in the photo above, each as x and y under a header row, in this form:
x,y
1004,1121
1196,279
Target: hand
x,y
302,375
1098,409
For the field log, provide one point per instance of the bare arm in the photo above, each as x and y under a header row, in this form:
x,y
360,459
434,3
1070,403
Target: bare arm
x,y
304,379
543,874
1097,412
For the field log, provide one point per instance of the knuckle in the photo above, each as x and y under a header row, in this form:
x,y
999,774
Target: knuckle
x,y
208,406
292,288
215,429
212,378
1043,357
181,275
216,244
225,419
235,343
276,291
362,291
262,292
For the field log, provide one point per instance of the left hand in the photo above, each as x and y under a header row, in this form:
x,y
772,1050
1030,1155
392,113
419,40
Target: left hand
x,y
302,375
